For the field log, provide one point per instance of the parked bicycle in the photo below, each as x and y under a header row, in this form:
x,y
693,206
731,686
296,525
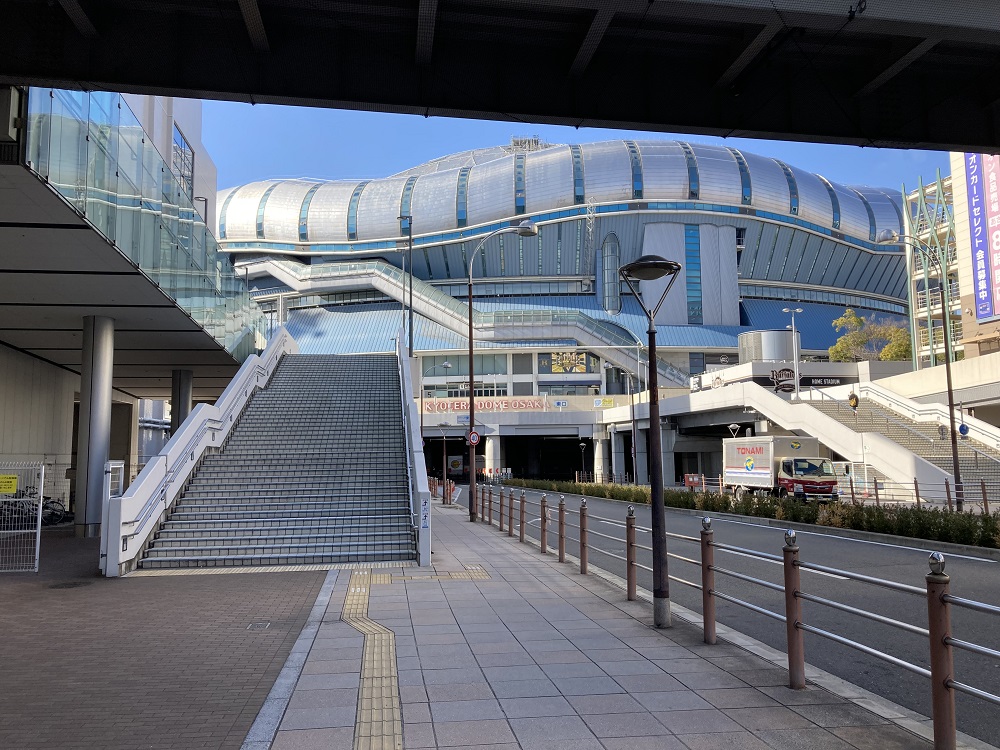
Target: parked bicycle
x,y
21,508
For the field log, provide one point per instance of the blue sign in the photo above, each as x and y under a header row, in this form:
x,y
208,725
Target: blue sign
x,y
561,404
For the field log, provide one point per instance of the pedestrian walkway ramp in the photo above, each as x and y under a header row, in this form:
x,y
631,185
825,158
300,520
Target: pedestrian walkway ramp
x,y
315,471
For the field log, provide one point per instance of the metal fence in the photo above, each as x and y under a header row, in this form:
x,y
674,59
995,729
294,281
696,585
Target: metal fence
x,y
21,491
938,632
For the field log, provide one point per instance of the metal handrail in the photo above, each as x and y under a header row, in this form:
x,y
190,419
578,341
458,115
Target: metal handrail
x,y
958,601
864,649
862,613
892,585
748,579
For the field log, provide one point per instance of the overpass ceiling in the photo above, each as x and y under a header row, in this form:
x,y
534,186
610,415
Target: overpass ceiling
x,y
909,74
55,270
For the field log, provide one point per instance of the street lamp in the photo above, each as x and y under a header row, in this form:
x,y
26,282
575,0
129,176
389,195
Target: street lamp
x,y
631,404
795,345
583,460
890,237
651,268
444,365
409,262
526,228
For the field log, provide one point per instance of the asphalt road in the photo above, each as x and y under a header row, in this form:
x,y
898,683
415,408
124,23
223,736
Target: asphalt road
x,y
971,577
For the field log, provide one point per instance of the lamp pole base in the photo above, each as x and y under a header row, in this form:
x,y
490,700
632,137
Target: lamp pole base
x,y
661,613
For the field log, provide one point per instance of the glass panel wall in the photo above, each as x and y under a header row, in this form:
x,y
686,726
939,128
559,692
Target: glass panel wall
x,y
91,149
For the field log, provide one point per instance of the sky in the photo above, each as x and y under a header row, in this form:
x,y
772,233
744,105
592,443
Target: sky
x,y
259,142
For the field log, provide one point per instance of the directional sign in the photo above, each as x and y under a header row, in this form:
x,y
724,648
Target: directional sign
x,y
473,438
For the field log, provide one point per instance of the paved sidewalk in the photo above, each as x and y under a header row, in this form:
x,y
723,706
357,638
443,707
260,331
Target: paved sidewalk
x,y
499,647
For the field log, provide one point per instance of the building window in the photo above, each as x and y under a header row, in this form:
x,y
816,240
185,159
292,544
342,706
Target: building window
x,y
741,238
304,214
260,210
404,205
611,260
694,183
692,273
503,260
793,188
539,240
222,213
352,211
578,193
462,197
696,363
636,160
182,161
519,192
559,228
521,364
871,215
579,245
746,197
834,201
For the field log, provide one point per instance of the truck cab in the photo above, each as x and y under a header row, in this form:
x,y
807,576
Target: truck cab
x,y
807,476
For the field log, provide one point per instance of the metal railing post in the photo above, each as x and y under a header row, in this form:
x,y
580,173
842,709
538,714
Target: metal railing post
x,y
878,501
583,536
500,514
489,507
630,552
916,492
986,500
562,528
947,494
510,514
544,523
708,580
942,666
522,518
854,500
793,615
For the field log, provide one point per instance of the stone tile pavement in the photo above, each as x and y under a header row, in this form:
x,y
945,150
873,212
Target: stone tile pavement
x,y
538,657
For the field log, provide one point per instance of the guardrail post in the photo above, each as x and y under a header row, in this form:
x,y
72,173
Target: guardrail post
x,y
489,507
878,502
916,492
500,515
543,523
793,615
986,500
854,500
630,552
482,502
942,666
522,518
510,513
947,494
562,528
583,536
708,580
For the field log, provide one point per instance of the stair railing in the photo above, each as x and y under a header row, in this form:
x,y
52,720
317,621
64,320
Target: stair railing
x,y
416,467
135,516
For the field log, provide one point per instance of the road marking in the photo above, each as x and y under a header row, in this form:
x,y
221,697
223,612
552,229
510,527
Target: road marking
x,y
775,562
859,541
643,529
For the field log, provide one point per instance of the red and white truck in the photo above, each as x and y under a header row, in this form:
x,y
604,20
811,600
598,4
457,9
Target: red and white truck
x,y
778,465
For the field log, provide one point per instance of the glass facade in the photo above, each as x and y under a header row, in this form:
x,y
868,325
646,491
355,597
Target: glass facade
x,y
519,192
611,260
871,214
462,197
352,211
182,159
303,212
834,201
636,161
746,186
404,205
694,182
260,210
578,194
692,273
793,187
91,149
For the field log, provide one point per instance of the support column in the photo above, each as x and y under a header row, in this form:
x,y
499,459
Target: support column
x,y
600,459
618,462
668,438
94,437
181,396
641,464
493,459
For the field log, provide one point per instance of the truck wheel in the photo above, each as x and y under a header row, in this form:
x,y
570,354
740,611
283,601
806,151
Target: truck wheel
x,y
739,493
782,493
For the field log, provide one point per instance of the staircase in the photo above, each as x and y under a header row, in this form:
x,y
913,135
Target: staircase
x,y
315,472
976,460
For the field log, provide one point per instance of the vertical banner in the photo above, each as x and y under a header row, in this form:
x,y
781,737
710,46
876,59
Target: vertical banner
x,y
981,263
992,168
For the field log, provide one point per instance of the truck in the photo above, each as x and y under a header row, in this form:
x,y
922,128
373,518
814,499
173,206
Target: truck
x,y
778,465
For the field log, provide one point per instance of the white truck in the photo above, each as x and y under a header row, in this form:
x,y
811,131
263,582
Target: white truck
x,y
778,465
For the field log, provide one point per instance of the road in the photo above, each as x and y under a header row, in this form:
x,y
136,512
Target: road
x,y
971,577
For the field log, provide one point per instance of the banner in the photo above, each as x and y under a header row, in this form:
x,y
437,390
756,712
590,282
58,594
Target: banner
x,y
992,164
983,268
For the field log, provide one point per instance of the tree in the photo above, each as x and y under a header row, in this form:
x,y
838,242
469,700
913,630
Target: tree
x,y
868,338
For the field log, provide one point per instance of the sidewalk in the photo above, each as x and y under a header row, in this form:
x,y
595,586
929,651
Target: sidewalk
x,y
499,647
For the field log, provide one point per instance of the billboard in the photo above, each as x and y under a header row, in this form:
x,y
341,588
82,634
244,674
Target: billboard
x,y
982,176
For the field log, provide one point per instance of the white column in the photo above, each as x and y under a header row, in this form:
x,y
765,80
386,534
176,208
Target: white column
x,y
600,459
94,436
492,454
181,396
668,438
618,455
641,465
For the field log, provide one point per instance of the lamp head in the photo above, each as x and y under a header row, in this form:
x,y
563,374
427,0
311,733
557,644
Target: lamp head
x,y
446,365
791,309
527,228
887,237
650,268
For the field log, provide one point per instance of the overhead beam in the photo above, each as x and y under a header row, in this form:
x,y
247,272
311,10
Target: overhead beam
x,y
255,25
426,22
79,18
749,53
893,70
598,25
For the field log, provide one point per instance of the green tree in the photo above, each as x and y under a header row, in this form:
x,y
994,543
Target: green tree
x,y
867,338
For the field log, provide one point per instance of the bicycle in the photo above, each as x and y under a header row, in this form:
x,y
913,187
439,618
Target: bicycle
x,y
23,506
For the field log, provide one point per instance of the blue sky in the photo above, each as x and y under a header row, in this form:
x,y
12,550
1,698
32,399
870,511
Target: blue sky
x,y
251,143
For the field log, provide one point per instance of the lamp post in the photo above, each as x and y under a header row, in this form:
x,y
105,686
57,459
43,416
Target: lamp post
x,y
651,268
795,346
583,460
409,262
526,228
444,365
890,237
444,460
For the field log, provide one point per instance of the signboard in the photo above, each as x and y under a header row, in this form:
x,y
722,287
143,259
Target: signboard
x,y
473,438
981,176
425,512
456,465
560,404
8,484
604,403
500,403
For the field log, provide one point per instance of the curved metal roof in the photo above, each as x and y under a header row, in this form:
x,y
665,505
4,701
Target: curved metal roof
x,y
501,182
